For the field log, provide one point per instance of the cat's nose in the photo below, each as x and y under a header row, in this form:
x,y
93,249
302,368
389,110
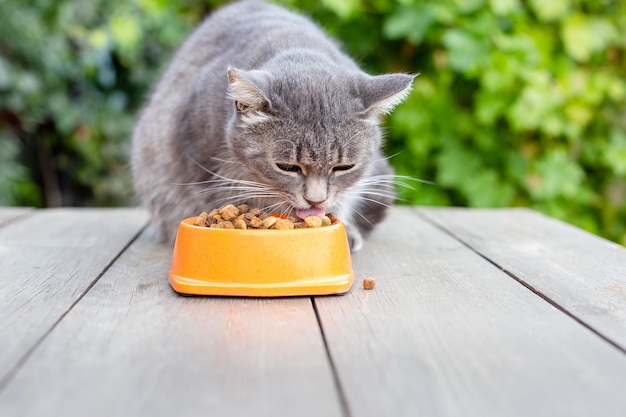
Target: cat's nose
x,y
314,203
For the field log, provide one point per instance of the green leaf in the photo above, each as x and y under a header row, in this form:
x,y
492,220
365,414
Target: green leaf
x,y
126,31
98,39
343,8
536,103
489,106
465,51
615,153
582,36
469,6
616,89
154,6
410,22
456,165
557,176
485,189
578,113
504,7
550,9
5,73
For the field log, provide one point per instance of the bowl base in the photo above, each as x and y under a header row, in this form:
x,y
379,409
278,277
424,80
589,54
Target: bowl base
x,y
330,286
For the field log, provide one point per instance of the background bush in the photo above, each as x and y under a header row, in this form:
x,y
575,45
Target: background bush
x,y
519,103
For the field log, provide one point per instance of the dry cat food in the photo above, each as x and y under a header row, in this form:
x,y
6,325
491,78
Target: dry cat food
x,y
244,217
369,283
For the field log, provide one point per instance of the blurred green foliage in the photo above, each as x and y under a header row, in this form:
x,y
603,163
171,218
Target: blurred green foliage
x,y
519,103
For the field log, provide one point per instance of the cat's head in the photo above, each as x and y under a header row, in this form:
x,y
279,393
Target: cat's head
x,y
310,133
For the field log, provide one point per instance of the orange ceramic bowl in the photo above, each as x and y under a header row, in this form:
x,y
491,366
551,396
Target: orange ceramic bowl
x,y
261,263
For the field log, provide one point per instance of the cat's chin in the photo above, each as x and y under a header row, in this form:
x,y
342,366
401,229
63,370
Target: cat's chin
x,y
313,211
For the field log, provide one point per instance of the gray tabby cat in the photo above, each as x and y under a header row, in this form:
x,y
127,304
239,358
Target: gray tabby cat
x,y
260,106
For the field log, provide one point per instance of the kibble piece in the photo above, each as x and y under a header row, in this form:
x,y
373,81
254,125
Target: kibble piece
x,y
214,212
283,224
256,211
242,217
325,220
369,283
300,225
332,217
313,221
256,223
229,212
240,224
201,219
225,225
270,222
244,208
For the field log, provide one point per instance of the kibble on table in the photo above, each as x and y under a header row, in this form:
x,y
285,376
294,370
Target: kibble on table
x,y
369,283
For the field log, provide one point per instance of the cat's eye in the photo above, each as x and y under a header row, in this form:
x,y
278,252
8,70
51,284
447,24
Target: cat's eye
x,y
340,168
289,168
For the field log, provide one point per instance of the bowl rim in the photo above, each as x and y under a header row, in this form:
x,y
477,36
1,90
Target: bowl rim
x,y
189,222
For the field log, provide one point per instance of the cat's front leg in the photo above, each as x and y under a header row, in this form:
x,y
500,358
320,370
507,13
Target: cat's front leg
x,y
344,213
355,238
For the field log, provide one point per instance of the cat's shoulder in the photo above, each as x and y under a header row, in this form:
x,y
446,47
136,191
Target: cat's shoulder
x,y
259,12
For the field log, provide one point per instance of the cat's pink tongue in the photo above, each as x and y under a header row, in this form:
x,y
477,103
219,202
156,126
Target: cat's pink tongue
x,y
313,211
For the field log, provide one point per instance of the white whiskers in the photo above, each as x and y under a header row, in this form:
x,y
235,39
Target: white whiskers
x,y
356,205
374,190
221,190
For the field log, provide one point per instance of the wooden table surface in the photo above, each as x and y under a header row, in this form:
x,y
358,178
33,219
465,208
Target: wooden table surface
x,y
476,313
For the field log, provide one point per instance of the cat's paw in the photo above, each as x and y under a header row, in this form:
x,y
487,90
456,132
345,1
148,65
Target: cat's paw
x,y
355,239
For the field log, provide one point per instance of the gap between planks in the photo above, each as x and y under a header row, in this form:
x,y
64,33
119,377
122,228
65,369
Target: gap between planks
x,y
10,215
525,284
345,408
6,380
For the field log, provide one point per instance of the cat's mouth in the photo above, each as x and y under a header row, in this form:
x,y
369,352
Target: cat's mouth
x,y
313,211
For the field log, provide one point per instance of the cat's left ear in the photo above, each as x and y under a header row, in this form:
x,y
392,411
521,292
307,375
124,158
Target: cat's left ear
x,y
245,89
382,93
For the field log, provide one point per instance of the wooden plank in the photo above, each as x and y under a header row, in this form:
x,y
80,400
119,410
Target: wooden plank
x,y
445,333
582,273
9,214
47,261
132,346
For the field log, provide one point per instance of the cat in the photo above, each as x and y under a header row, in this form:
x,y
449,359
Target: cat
x,y
260,106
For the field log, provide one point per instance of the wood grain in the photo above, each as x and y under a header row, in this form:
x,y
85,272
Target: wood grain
x,y
582,273
445,333
48,259
132,346
9,214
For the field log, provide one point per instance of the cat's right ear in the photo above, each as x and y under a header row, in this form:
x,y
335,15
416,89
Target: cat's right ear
x,y
244,90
